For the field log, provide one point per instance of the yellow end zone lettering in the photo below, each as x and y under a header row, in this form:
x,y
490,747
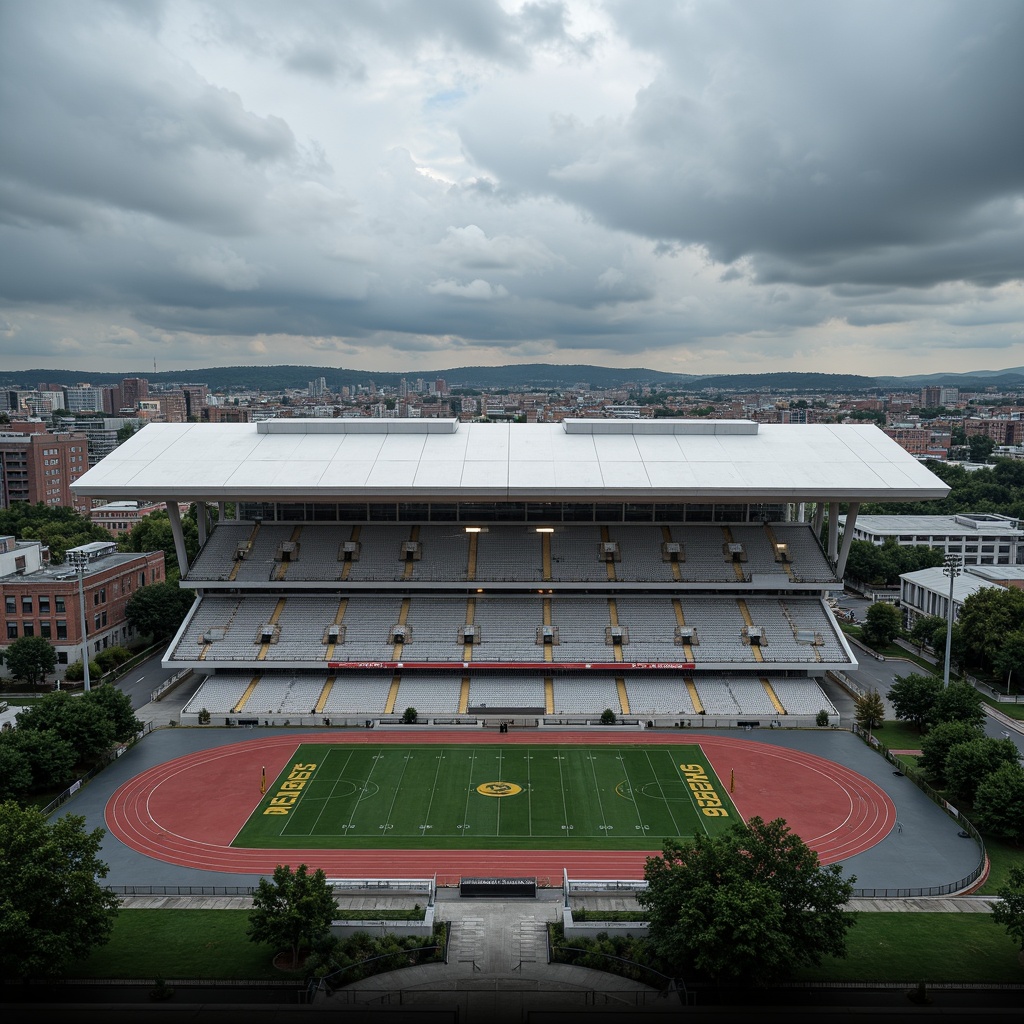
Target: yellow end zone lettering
x,y
288,793
702,791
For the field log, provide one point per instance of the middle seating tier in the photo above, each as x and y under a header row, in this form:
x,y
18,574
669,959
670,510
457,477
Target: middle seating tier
x,y
441,629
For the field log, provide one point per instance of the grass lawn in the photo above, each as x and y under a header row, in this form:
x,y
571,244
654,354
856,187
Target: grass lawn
x,y
899,736
911,947
916,947
502,798
1002,856
206,944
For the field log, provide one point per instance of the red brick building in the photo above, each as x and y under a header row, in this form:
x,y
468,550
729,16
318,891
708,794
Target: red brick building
x,y
46,602
41,466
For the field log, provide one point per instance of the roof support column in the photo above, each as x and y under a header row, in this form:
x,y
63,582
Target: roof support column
x,y
844,552
801,512
174,514
221,511
833,531
202,511
819,518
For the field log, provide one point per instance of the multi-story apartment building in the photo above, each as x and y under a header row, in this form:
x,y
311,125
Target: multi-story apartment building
x,y
121,517
978,538
40,467
133,391
45,602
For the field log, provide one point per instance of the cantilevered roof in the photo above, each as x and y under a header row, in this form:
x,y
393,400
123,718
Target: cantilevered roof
x,y
588,460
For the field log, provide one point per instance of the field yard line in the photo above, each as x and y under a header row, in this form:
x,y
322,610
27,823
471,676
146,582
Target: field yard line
x,y
328,800
600,802
529,791
668,806
469,790
433,789
561,786
709,767
373,765
497,818
405,768
643,827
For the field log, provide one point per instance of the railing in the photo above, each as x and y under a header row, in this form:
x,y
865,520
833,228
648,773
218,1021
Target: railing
x,y
75,786
937,798
182,890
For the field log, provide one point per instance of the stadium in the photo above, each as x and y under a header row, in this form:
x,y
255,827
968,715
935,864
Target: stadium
x,y
519,587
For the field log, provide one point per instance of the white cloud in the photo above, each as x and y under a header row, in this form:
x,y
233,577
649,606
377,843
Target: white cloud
x,y
686,186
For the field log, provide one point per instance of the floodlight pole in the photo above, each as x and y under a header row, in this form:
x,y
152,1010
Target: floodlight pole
x,y
85,635
952,568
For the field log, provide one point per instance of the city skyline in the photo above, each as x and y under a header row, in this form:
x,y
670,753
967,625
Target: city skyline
x,y
392,186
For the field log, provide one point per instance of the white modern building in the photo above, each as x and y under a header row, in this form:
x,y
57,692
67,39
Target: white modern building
x,y
978,538
669,570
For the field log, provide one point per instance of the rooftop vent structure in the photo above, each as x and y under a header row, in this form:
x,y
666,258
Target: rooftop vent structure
x,y
349,551
334,634
268,633
755,636
686,635
242,551
288,551
469,634
547,635
672,551
735,552
411,551
400,634
616,635
782,553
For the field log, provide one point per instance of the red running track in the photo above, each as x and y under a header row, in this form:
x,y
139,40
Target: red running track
x,y
187,811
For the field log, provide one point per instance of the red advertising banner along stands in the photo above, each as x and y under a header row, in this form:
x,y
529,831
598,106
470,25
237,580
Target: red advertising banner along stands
x,y
547,666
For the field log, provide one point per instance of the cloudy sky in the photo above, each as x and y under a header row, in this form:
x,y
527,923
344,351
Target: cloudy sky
x,y
701,187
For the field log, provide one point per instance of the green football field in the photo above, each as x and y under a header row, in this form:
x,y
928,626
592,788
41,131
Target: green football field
x,y
515,797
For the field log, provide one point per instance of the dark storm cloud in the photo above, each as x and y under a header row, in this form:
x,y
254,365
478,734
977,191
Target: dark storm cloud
x,y
866,142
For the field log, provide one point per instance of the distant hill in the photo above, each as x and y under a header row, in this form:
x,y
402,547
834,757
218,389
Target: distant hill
x,y
523,376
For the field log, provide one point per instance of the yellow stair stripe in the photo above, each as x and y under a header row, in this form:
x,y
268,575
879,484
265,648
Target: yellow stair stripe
x,y
549,695
273,621
742,605
771,537
773,697
467,649
692,689
245,696
403,615
389,704
610,564
474,541
680,620
324,694
545,554
414,534
549,654
620,685
737,567
338,617
613,614
282,569
666,536
249,543
347,567
464,696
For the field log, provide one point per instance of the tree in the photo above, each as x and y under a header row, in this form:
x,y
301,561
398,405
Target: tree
x,y
159,609
83,723
53,908
48,759
981,447
294,909
117,706
1008,660
869,710
409,716
60,528
937,744
1009,912
752,903
15,772
154,534
987,617
882,624
969,764
31,658
999,804
913,696
958,702
929,631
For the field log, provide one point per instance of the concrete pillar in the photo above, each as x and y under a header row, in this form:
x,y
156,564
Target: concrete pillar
x,y
179,537
844,552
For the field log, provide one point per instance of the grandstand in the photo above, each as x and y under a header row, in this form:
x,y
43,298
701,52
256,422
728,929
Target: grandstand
x,y
668,570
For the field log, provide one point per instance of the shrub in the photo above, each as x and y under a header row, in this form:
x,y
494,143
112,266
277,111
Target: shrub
x,y
608,717
75,672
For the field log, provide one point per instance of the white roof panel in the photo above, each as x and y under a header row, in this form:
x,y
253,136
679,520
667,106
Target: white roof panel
x,y
667,460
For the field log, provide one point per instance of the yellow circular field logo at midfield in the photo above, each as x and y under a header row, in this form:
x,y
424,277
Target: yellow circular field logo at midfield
x,y
498,789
